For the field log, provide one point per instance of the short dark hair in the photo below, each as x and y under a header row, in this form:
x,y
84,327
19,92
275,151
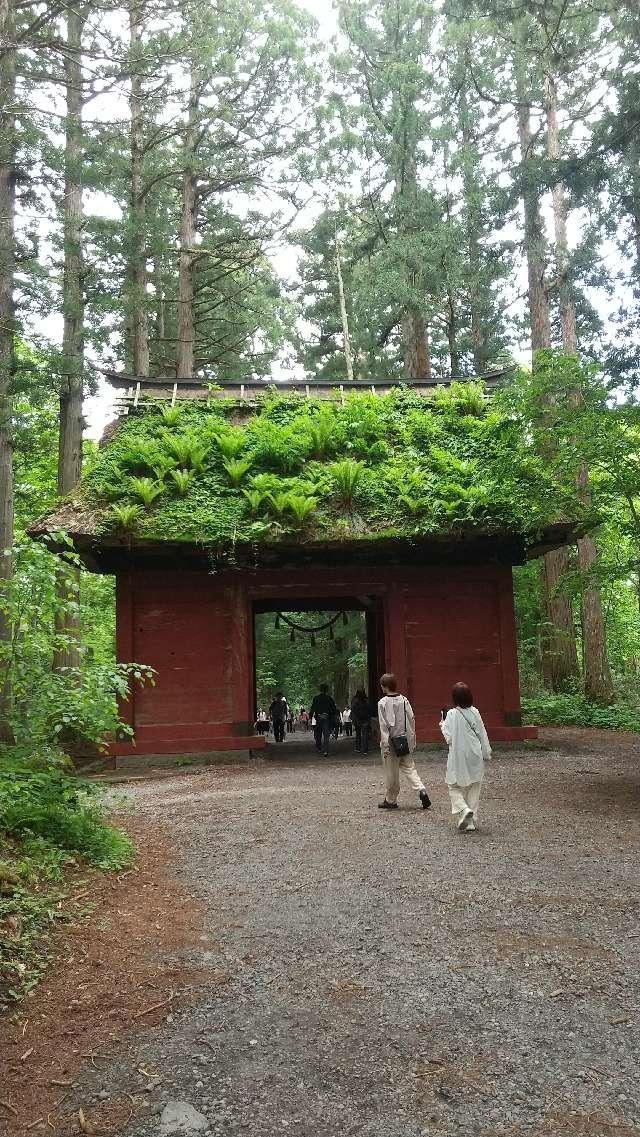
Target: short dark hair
x,y
389,681
461,695
324,688
360,693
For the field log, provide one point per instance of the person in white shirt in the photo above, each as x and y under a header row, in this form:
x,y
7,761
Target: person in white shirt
x,y
469,749
397,720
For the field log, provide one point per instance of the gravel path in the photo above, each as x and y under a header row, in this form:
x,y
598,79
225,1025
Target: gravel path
x,y
378,974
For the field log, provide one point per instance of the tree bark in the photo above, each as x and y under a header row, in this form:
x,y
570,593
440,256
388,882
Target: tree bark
x,y
473,231
417,359
558,646
185,358
598,684
7,358
67,653
137,267
452,331
346,341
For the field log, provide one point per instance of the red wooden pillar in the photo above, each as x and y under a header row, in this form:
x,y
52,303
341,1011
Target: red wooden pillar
x,y
509,650
125,639
242,662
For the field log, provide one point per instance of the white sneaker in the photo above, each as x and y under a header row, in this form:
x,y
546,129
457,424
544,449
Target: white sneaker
x,y
466,821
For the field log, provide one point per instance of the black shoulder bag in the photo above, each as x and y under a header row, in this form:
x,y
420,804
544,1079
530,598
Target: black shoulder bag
x,y
400,743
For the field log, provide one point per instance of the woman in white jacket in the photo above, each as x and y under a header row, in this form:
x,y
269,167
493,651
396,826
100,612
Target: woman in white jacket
x,y
469,748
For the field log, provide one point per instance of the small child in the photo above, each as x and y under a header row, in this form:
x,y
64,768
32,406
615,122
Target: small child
x,y
469,748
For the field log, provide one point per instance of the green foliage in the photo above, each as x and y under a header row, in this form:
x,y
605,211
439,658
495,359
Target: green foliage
x,y
255,500
146,490
49,821
187,450
347,477
300,507
171,415
126,516
182,480
237,469
230,443
51,707
412,465
573,709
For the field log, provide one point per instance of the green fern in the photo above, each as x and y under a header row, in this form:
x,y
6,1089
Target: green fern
x,y
146,490
126,516
187,450
265,483
236,469
280,503
347,477
230,444
301,507
170,415
321,435
182,480
256,499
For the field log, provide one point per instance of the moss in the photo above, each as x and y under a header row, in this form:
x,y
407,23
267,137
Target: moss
x,y
397,465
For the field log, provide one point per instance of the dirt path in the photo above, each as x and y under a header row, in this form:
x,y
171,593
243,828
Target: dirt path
x,y
377,974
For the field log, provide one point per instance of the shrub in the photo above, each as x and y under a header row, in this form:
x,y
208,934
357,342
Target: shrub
x,y
574,709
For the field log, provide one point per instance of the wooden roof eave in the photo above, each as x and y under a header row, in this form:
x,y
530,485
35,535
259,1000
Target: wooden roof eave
x,y
112,553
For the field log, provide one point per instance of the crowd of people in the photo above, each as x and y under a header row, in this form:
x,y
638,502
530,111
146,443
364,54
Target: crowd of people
x,y
323,718
393,721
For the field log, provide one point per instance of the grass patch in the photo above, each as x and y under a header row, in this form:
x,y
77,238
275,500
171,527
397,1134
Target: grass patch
x,y
51,826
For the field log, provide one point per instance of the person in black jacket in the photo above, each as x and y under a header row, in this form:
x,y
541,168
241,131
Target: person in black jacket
x,y
361,719
326,714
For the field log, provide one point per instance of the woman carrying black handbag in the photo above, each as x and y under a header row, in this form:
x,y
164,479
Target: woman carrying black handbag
x,y
397,744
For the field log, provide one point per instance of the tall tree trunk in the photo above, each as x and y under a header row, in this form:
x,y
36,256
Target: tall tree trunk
x,y
67,654
473,224
7,361
452,332
137,266
346,340
559,652
417,360
598,683
185,359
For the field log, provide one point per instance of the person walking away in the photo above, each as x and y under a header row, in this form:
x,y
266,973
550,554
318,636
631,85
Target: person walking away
x,y
361,719
304,719
278,712
347,725
325,712
397,743
469,749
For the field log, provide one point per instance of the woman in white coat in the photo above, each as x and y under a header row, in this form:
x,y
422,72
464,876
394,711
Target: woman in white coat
x,y
469,748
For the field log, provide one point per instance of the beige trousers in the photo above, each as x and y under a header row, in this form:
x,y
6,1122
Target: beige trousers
x,y
392,768
464,798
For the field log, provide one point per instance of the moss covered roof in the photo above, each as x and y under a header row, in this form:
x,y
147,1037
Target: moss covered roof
x,y
362,468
